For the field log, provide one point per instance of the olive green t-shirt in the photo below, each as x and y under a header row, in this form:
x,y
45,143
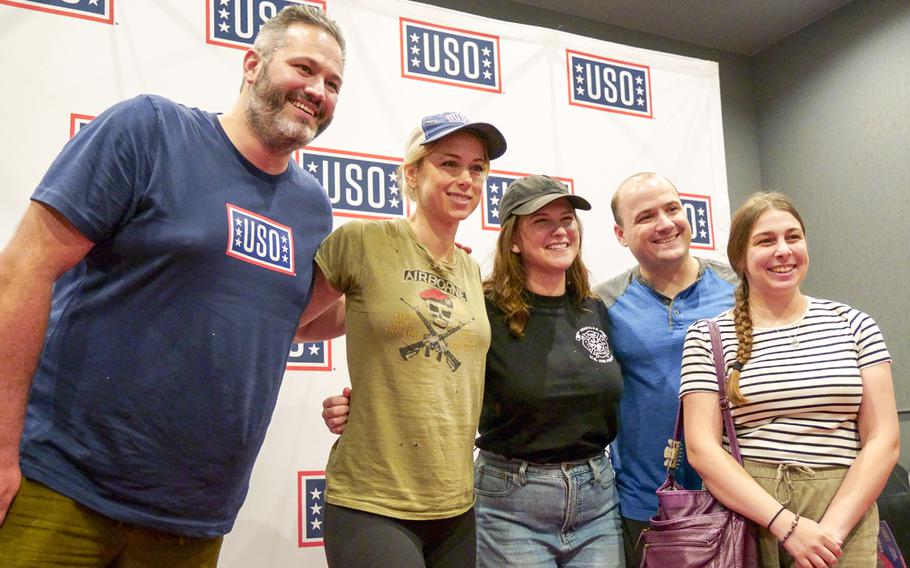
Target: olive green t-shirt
x,y
417,337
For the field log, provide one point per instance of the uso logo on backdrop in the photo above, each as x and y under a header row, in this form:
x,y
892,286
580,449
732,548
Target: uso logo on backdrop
x,y
94,10
609,84
698,212
77,121
310,356
450,56
358,185
495,186
310,507
235,23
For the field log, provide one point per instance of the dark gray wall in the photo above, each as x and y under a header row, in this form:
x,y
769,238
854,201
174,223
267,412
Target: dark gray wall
x,y
822,117
834,132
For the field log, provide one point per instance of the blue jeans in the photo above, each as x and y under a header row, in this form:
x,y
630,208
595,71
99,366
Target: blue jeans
x,y
536,515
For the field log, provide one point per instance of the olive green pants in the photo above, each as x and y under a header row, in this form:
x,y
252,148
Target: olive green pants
x,y
809,492
44,529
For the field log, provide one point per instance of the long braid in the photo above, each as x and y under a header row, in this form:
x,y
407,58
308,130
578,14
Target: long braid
x,y
742,318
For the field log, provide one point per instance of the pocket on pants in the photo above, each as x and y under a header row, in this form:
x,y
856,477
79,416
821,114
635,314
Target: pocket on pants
x,y
492,482
607,475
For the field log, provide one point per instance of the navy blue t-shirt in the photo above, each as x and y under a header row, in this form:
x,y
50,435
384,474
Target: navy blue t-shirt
x,y
166,345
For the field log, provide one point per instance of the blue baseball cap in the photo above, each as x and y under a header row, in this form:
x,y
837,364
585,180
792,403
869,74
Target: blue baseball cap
x,y
440,125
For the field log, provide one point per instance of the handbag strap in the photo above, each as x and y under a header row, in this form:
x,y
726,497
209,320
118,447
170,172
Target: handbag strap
x,y
718,352
718,349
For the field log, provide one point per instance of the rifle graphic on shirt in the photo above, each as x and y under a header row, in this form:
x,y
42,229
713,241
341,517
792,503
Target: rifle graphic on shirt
x,y
432,341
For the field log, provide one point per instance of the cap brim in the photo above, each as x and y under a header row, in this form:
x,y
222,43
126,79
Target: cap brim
x,y
576,201
491,136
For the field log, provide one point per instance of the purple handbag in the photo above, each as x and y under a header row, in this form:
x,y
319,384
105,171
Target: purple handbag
x,y
692,529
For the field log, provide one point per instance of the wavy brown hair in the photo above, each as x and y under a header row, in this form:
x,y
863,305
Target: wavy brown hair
x,y
737,248
507,285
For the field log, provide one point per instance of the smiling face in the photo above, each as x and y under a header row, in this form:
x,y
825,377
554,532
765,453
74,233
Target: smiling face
x,y
548,241
777,258
653,223
446,183
294,90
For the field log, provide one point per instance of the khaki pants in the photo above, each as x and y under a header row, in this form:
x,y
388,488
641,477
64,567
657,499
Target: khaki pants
x,y
44,529
809,492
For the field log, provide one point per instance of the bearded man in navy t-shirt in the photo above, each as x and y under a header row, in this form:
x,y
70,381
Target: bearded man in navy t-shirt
x,y
148,302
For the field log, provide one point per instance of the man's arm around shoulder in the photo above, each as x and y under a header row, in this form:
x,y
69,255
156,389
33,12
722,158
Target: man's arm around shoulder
x,y
44,246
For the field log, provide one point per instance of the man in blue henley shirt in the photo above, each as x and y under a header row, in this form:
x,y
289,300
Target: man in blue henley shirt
x,y
650,307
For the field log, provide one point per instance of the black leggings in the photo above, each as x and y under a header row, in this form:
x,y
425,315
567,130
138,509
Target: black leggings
x,y
357,539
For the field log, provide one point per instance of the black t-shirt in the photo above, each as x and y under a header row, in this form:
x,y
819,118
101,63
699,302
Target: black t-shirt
x,y
552,395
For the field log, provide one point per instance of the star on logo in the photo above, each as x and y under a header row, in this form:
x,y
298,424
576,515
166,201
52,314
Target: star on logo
x,y
393,176
415,62
486,62
485,51
225,2
578,67
284,258
704,234
639,91
394,202
316,509
315,493
393,189
284,238
314,349
701,222
701,211
312,167
579,79
237,242
223,14
415,37
224,27
415,50
495,213
580,91
317,524
487,74
640,101
494,201
93,2
638,80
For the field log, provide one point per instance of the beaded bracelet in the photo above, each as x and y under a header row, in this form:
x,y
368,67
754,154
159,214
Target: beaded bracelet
x,y
792,527
774,518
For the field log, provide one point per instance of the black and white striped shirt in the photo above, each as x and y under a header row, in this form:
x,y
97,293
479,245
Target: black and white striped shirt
x,y
802,384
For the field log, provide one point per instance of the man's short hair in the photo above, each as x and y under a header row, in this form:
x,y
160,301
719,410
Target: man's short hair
x,y
271,35
614,202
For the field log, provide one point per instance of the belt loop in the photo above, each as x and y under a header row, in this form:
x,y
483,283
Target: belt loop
x,y
596,471
522,477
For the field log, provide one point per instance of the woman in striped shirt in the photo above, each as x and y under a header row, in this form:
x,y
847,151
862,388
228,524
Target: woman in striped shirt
x,y
812,399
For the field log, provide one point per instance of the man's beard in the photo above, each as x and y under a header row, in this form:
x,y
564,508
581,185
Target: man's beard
x,y
265,113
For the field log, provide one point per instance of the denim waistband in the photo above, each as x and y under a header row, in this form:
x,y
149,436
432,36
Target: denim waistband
x,y
522,468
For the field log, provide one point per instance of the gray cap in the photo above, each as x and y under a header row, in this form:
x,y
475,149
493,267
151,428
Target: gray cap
x,y
528,194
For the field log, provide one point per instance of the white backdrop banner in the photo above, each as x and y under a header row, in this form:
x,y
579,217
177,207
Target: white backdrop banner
x,y
586,111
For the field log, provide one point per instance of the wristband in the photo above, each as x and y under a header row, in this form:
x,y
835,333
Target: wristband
x,y
792,528
774,518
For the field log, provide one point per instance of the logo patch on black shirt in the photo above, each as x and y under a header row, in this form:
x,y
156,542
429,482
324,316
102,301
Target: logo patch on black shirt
x,y
594,340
